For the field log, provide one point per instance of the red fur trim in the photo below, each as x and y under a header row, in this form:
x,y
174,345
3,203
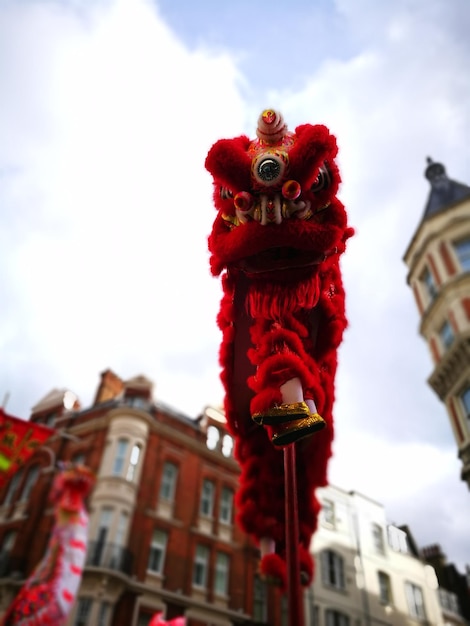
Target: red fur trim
x,y
273,568
278,325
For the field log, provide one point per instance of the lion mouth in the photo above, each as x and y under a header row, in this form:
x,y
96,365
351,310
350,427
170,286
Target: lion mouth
x,y
279,259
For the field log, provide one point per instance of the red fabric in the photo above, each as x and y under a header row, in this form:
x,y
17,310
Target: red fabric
x,y
18,441
282,316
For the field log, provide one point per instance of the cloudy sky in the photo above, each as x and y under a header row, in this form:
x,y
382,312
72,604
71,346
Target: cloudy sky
x,y
108,108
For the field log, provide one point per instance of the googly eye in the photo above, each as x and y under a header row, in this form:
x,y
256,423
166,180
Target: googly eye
x,y
322,181
225,193
269,167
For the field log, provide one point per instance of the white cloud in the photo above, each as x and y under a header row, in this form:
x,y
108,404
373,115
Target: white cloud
x,y
111,210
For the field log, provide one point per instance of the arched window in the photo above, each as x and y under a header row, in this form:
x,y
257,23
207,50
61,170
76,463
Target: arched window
x,y
13,487
30,481
227,445
133,461
213,436
8,542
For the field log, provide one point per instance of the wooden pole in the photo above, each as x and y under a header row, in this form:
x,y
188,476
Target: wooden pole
x,y
294,589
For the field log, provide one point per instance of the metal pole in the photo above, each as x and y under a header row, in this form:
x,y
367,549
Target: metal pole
x,y
294,590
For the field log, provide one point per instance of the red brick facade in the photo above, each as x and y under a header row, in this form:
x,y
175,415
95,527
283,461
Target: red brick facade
x,y
129,589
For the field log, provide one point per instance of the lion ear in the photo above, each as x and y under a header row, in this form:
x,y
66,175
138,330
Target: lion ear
x,y
229,163
313,146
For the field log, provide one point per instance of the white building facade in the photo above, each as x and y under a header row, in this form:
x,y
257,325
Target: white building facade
x,y
368,572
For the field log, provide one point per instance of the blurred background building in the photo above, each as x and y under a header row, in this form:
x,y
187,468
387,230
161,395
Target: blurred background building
x,y
438,260
163,536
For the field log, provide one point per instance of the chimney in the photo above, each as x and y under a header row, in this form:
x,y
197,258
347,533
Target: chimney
x,y
109,388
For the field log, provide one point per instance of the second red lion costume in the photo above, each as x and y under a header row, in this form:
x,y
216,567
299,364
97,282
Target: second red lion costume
x,y
277,238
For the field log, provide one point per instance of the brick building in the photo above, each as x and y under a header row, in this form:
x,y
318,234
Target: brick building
x,y
162,534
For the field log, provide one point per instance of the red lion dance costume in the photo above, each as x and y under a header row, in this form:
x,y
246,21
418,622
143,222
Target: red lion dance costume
x,y
277,238
48,595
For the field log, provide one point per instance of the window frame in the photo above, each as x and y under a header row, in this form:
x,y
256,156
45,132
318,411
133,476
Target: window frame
x,y
157,551
29,483
221,574
428,281
329,513
462,252
13,487
201,566
168,482
333,574
82,613
226,505
385,584
464,397
446,334
134,459
120,456
378,538
334,617
206,504
417,610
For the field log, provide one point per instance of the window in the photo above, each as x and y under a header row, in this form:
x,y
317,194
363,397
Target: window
x,y
260,601
397,539
315,615
462,248
121,529
222,566
104,523
227,445
168,484
137,402
378,538
449,601
133,462
144,619
120,457
226,505
446,334
207,498
332,569
103,614
429,284
414,596
213,436
336,618
157,551
8,542
12,487
328,508
465,399
79,458
201,563
29,482
83,612
385,588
